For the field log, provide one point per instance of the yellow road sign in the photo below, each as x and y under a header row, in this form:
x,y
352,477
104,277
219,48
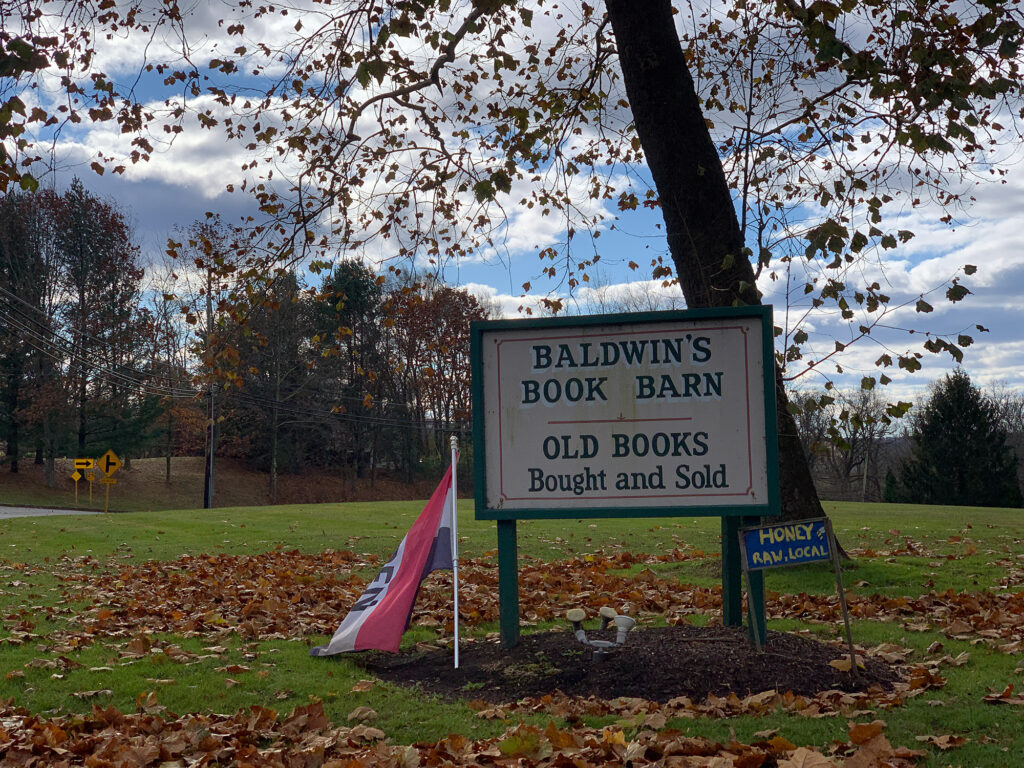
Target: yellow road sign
x,y
109,463
76,475
83,463
90,475
107,481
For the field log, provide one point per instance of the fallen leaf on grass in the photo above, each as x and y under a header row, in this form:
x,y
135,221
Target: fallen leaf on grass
x,y
233,669
946,741
492,713
362,714
871,754
891,652
1006,697
613,736
363,686
160,681
559,739
806,758
92,694
862,733
367,733
905,753
655,721
921,679
781,744
958,627
230,683
917,626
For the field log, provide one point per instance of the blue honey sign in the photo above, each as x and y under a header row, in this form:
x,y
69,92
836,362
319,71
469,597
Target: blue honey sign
x,y
794,543
780,544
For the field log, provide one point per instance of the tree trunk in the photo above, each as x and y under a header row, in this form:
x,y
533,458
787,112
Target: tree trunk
x,y
273,450
48,442
51,469
13,393
81,414
170,446
704,236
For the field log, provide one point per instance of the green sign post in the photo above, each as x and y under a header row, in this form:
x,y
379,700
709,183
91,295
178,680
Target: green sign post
x,y
657,414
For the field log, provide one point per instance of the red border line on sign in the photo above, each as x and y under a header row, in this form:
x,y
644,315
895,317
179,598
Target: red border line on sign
x,y
501,463
621,421
750,450
501,452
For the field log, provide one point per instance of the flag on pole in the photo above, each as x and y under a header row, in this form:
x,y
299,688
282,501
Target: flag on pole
x,y
382,614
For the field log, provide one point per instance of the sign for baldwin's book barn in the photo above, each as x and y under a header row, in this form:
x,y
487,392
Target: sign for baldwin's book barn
x,y
649,414
639,415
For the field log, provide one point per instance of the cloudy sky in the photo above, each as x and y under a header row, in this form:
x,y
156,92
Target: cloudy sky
x,y
185,179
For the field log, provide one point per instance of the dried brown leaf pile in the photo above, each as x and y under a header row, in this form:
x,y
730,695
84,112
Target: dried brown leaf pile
x,y
288,594
260,738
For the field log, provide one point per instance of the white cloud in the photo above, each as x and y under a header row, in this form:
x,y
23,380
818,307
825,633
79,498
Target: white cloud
x,y
506,305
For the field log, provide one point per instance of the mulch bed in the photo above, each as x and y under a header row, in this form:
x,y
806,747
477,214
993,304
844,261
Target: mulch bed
x,y
657,664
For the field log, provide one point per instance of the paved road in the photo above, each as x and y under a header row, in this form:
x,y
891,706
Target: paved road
x,y
7,512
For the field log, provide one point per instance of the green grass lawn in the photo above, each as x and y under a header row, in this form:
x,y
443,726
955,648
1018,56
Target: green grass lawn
x,y
898,551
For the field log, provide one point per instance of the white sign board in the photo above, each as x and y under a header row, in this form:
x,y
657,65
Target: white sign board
x,y
625,415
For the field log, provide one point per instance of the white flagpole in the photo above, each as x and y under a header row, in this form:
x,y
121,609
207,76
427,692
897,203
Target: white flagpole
x,y
455,542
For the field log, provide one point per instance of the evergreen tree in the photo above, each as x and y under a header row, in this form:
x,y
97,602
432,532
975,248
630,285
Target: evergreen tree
x,y
959,453
892,492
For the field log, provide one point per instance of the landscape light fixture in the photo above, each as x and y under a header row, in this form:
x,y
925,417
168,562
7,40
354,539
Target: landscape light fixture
x,y
623,624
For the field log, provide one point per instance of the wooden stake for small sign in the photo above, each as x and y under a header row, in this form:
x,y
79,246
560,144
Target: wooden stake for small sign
x,y
76,476
842,595
758,629
107,481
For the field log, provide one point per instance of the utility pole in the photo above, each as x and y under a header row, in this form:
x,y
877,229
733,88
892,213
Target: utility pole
x,y
864,479
211,432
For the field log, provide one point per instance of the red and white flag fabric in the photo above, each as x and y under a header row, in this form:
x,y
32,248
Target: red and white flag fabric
x,y
382,614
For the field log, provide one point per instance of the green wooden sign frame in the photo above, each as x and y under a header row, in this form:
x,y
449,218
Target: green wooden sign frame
x,y
733,516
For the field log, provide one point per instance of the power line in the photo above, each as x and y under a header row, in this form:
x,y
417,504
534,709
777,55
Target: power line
x,y
12,297
65,352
